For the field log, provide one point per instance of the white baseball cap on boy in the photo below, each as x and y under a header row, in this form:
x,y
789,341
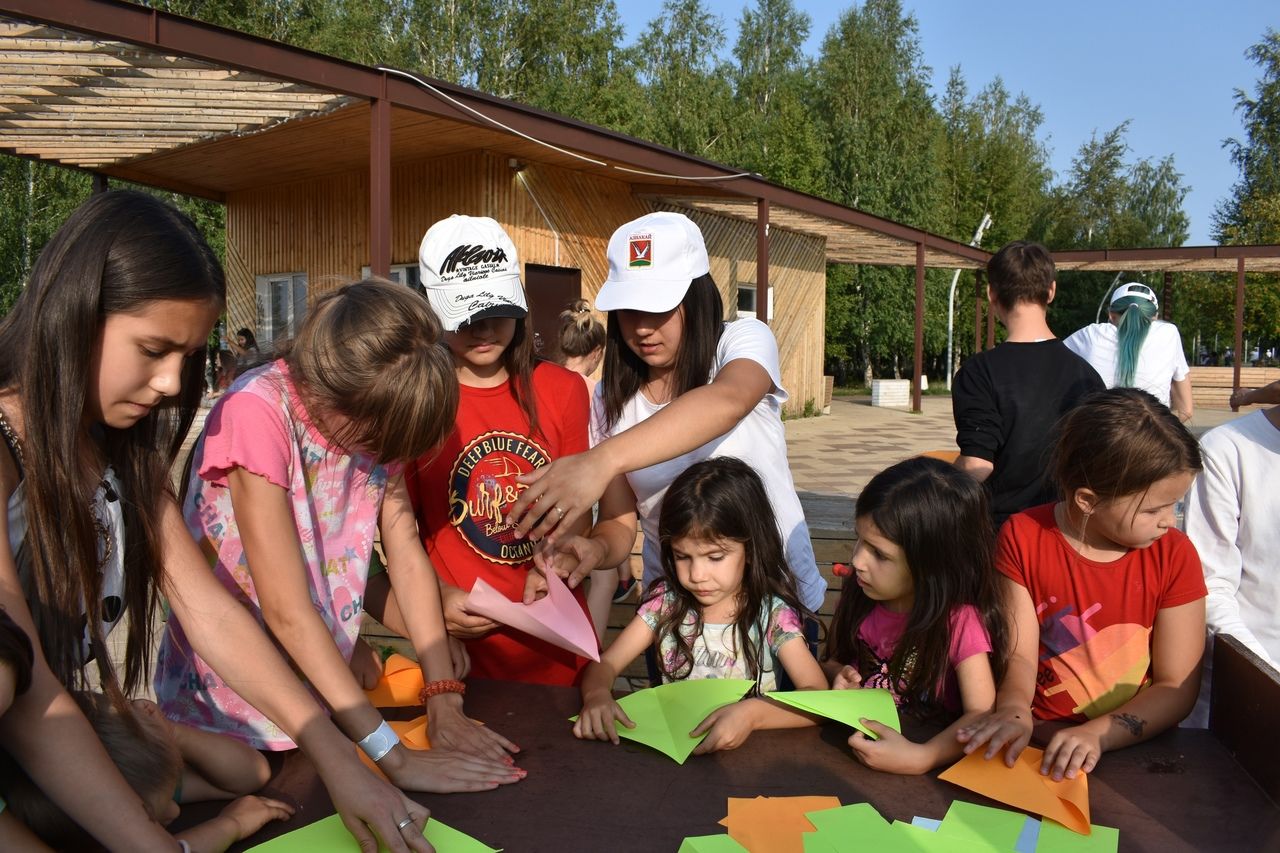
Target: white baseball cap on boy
x,y
652,260
1135,288
469,268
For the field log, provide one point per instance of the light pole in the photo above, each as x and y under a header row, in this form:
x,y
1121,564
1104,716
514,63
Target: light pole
x,y
951,296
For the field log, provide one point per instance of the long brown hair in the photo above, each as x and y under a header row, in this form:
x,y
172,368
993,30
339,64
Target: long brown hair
x,y
117,253
373,352
625,372
716,499
938,516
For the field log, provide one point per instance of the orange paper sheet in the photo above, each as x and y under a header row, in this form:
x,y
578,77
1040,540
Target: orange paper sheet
x,y
1022,786
413,734
773,824
400,684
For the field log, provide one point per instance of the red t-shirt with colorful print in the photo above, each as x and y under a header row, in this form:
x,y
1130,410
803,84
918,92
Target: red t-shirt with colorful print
x,y
1095,618
461,497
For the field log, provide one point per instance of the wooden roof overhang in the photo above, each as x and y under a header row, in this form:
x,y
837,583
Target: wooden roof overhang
x,y
135,93
1200,259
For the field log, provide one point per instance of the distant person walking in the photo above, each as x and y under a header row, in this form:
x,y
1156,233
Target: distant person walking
x,y
1135,350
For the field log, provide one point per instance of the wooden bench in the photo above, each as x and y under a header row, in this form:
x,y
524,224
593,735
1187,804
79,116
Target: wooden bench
x,y
1211,387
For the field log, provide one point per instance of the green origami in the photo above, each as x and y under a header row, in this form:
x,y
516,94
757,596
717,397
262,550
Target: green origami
x,y
711,844
846,706
998,829
329,835
665,715
1056,838
848,829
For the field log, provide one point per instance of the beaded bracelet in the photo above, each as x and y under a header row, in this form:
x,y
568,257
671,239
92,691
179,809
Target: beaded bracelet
x,y
444,685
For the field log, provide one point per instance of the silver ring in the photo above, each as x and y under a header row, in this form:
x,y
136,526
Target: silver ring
x,y
561,511
402,824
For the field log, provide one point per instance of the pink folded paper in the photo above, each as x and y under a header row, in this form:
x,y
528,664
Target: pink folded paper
x,y
556,617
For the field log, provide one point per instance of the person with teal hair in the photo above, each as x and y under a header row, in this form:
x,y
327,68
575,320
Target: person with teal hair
x,y
1136,350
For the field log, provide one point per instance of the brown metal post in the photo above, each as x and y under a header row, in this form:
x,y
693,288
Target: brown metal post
x,y
916,368
991,325
1239,354
979,296
762,260
380,185
1166,298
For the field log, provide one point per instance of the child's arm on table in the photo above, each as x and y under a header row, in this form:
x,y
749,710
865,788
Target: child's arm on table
x,y
230,640
1177,645
1010,723
217,767
730,726
894,753
274,556
414,580
599,709
236,822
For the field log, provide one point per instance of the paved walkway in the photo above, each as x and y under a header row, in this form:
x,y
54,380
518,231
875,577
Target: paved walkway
x,y
833,456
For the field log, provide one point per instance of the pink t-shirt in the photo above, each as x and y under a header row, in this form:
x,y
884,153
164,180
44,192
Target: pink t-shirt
x,y
878,637
259,425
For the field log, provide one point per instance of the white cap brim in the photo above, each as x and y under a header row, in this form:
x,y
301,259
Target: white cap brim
x,y
457,304
653,297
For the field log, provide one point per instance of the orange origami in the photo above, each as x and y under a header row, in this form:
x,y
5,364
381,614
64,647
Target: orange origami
x,y
773,824
399,686
1023,787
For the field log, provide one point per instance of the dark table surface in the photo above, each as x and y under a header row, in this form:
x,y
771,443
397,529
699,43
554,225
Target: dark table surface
x,y
1179,791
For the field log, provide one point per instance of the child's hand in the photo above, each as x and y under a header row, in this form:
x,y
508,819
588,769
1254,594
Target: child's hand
x,y
366,665
449,727
573,559
847,678
998,729
459,657
727,727
892,753
597,717
457,620
251,813
1072,750
441,770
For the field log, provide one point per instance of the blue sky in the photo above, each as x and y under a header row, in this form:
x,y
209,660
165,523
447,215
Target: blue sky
x,y
1169,67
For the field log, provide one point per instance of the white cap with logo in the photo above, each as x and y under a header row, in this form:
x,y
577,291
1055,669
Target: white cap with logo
x,y
1135,288
652,260
469,268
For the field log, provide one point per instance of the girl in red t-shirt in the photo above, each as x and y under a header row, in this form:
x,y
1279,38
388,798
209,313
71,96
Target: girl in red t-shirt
x,y
920,614
1106,596
515,414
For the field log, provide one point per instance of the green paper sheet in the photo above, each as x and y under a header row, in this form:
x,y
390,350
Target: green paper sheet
x,y
855,828
845,706
329,835
1056,838
997,829
711,844
905,838
665,715
817,842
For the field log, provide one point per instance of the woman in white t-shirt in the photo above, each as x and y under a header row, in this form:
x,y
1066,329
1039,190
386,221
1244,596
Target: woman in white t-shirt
x,y
1135,350
680,385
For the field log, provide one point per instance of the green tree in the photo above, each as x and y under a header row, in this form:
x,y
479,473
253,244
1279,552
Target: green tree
x,y
1251,214
686,89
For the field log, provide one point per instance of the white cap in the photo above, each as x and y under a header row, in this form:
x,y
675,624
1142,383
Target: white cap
x,y
1135,288
652,260
469,268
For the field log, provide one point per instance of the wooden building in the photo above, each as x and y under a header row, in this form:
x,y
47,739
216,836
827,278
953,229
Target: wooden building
x,y
329,170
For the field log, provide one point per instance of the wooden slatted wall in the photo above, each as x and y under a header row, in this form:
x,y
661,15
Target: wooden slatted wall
x,y
321,228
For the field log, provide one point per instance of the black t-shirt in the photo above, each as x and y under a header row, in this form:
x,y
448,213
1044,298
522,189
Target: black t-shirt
x,y
1005,402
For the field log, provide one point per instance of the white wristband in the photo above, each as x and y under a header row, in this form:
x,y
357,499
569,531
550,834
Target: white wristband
x,y
379,742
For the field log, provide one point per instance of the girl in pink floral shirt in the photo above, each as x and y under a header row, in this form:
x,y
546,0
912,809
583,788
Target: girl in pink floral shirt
x,y
297,468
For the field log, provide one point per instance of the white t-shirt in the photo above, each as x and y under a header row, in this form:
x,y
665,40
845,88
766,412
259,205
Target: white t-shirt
x,y
1160,361
1231,517
758,439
